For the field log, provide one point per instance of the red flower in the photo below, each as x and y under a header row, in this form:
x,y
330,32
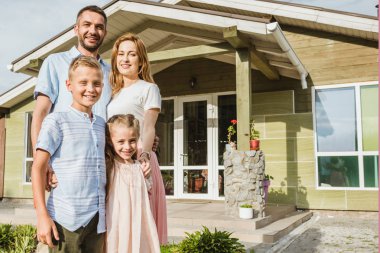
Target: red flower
x,y
234,121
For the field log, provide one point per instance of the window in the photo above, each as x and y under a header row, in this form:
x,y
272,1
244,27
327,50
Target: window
x,y
28,149
346,136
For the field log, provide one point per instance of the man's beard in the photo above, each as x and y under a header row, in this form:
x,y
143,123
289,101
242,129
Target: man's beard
x,y
88,47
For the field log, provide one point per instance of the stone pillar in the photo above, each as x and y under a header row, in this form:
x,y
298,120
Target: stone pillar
x,y
243,180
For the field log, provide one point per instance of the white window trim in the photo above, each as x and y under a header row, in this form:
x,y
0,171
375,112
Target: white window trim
x,y
360,153
26,158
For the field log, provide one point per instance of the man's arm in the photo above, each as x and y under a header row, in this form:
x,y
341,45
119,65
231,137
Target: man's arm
x,y
45,225
41,110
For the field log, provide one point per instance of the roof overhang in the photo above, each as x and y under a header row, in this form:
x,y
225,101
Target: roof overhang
x,y
18,94
316,18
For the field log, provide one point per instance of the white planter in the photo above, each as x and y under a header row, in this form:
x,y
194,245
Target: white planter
x,y
245,213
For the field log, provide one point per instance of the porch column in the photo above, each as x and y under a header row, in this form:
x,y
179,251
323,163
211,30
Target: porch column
x,y
243,96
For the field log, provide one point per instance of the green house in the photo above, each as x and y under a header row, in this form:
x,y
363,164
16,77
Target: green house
x,y
307,76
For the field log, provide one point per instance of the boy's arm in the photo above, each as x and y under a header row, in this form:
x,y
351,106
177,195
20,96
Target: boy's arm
x,y
45,225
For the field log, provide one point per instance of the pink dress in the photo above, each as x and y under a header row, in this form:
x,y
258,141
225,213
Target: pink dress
x,y
130,224
157,200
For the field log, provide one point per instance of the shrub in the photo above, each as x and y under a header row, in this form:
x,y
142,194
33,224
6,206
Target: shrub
x,y
170,248
17,239
246,206
210,242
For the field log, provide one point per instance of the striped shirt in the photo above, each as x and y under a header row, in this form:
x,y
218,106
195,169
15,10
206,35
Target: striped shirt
x,y
76,145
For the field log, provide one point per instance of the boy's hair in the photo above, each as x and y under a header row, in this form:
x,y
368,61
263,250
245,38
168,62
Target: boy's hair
x,y
84,61
127,121
93,8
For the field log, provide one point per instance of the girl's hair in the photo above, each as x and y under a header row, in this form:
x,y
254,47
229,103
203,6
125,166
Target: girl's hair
x,y
127,121
116,79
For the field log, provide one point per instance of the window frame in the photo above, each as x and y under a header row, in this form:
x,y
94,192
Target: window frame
x,y
359,153
27,133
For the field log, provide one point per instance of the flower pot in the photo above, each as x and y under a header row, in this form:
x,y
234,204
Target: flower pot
x,y
266,184
245,213
228,147
254,144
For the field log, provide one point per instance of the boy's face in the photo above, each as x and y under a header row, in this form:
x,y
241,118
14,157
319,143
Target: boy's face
x,y
124,141
85,85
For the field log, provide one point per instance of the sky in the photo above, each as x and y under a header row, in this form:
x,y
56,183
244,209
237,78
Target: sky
x,y
26,24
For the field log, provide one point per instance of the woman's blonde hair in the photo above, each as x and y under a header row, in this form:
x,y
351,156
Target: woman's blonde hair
x,y
128,121
116,79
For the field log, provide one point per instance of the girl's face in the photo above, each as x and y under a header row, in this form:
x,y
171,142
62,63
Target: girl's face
x,y
127,60
124,140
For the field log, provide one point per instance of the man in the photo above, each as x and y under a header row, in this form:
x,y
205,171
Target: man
x,y
50,92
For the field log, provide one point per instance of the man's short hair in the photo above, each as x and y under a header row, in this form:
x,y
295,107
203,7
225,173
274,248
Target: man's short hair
x,y
84,61
93,8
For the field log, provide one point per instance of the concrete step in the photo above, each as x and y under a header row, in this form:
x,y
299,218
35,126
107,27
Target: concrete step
x,y
274,213
268,234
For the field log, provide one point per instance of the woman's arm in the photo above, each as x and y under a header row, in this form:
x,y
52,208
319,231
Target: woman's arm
x,y
149,131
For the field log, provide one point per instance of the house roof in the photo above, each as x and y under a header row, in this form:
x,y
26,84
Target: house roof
x,y
175,24
18,93
315,18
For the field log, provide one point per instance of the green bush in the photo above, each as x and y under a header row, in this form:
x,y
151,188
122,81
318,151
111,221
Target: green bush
x,y
210,242
17,239
246,206
170,248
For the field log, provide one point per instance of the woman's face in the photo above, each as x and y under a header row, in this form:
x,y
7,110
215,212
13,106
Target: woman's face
x,y
127,60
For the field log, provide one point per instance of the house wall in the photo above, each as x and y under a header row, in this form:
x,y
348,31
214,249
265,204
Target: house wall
x,y
14,152
287,134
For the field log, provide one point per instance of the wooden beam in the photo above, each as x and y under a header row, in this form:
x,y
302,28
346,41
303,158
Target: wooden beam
x,y
234,37
281,64
187,31
237,40
243,97
190,52
259,60
272,51
35,64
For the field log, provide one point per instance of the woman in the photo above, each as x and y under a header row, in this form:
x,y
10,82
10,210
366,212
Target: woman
x,y
134,92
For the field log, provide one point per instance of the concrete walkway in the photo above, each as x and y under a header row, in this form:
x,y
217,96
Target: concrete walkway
x,y
326,231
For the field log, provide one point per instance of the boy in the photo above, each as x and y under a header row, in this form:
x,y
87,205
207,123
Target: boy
x,y
73,142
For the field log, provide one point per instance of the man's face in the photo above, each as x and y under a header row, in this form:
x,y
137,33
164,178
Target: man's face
x,y
86,85
91,30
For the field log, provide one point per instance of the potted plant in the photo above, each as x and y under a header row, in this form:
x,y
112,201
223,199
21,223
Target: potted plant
x,y
266,184
254,136
230,132
246,211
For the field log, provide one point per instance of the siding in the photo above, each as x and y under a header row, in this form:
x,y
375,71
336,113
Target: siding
x,y
334,59
14,152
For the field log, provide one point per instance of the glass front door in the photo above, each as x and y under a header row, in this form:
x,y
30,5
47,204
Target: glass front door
x,y
193,134
195,146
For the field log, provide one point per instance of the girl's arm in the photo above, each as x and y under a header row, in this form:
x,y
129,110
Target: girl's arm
x,y
45,225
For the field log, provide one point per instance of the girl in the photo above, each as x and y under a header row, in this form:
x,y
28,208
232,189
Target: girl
x,y
134,92
130,224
